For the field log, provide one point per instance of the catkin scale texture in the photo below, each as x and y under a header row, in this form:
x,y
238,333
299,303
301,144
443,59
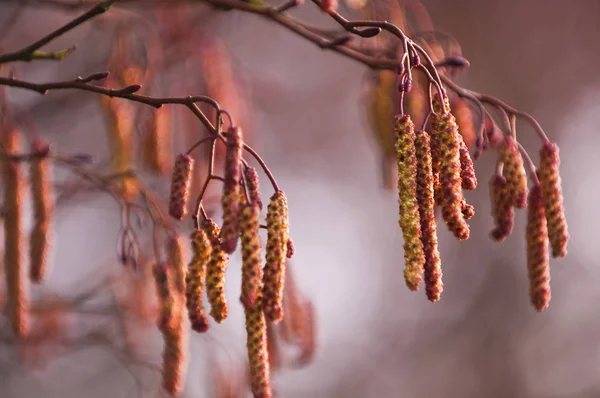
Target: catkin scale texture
x,y
195,280
215,273
502,209
253,187
514,172
258,354
251,263
230,201
538,262
180,186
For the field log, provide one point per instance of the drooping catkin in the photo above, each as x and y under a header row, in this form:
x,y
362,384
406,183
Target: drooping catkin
x,y
538,262
253,186
174,361
251,263
215,273
180,186
467,170
502,210
409,209
16,301
514,172
447,143
175,255
258,354
230,229
274,269
43,209
550,182
157,141
165,296
426,201
195,280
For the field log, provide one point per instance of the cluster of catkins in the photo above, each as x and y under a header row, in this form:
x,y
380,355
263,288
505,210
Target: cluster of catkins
x,y
42,199
435,167
261,287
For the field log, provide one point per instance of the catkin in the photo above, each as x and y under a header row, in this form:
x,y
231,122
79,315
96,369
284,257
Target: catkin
x,y
174,361
538,263
175,255
550,182
467,170
253,186
156,147
502,210
215,273
258,354
43,209
274,270
180,186
514,172
16,301
426,201
230,201
195,280
409,209
251,263
165,296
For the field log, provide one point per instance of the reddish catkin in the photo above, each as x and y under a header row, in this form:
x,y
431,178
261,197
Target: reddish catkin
x,y
251,267
467,171
258,354
43,209
253,186
414,257
195,280
550,182
502,210
16,301
425,198
215,273
538,262
514,172
180,186
157,143
274,270
445,134
230,229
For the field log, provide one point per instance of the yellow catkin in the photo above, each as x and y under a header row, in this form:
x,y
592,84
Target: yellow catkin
x,y
467,170
414,258
16,301
274,270
538,263
43,210
258,354
253,187
553,199
251,262
157,143
230,201
514,172
446,139
215,273
180,186
502,210
195,280
425,198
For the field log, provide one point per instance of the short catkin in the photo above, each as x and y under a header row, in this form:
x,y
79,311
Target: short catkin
x,y
538,262
502,209
230,201
180,186
253,187
215,273
514,172
195,280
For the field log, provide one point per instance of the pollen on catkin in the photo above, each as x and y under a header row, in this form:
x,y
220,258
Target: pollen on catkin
x,y
251,263
467,170
215,273
514,172
550,182
180,186
446,137
253,186
274,269
157,142
426,201
195,280
230,201
409,208
16,301
502,209
538,262
43,209
258,354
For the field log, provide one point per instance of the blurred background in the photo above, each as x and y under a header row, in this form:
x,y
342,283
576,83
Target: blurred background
x,y
305,111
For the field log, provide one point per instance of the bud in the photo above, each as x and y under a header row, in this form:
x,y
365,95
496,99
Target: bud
x,y
180,186
538,264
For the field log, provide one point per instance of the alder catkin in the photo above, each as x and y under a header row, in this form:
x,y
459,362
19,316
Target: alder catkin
x,y
180,186
215,273
538,262
502,209
165,296
195,280
253,186
409,209
467,170
157,141
251,263
426,201
514,172
230,229
258,354
43,209
550,182
274,269
174,361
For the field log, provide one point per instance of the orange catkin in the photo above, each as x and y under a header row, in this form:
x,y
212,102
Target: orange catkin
x,y
180,186
425,198
258,354
230,201
43,210
514,172
274,270
550,182
215,273
195,280
156,146
251,267
502,210
16,301
538,263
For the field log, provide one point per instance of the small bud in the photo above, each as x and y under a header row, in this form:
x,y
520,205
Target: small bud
x,y
180,186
